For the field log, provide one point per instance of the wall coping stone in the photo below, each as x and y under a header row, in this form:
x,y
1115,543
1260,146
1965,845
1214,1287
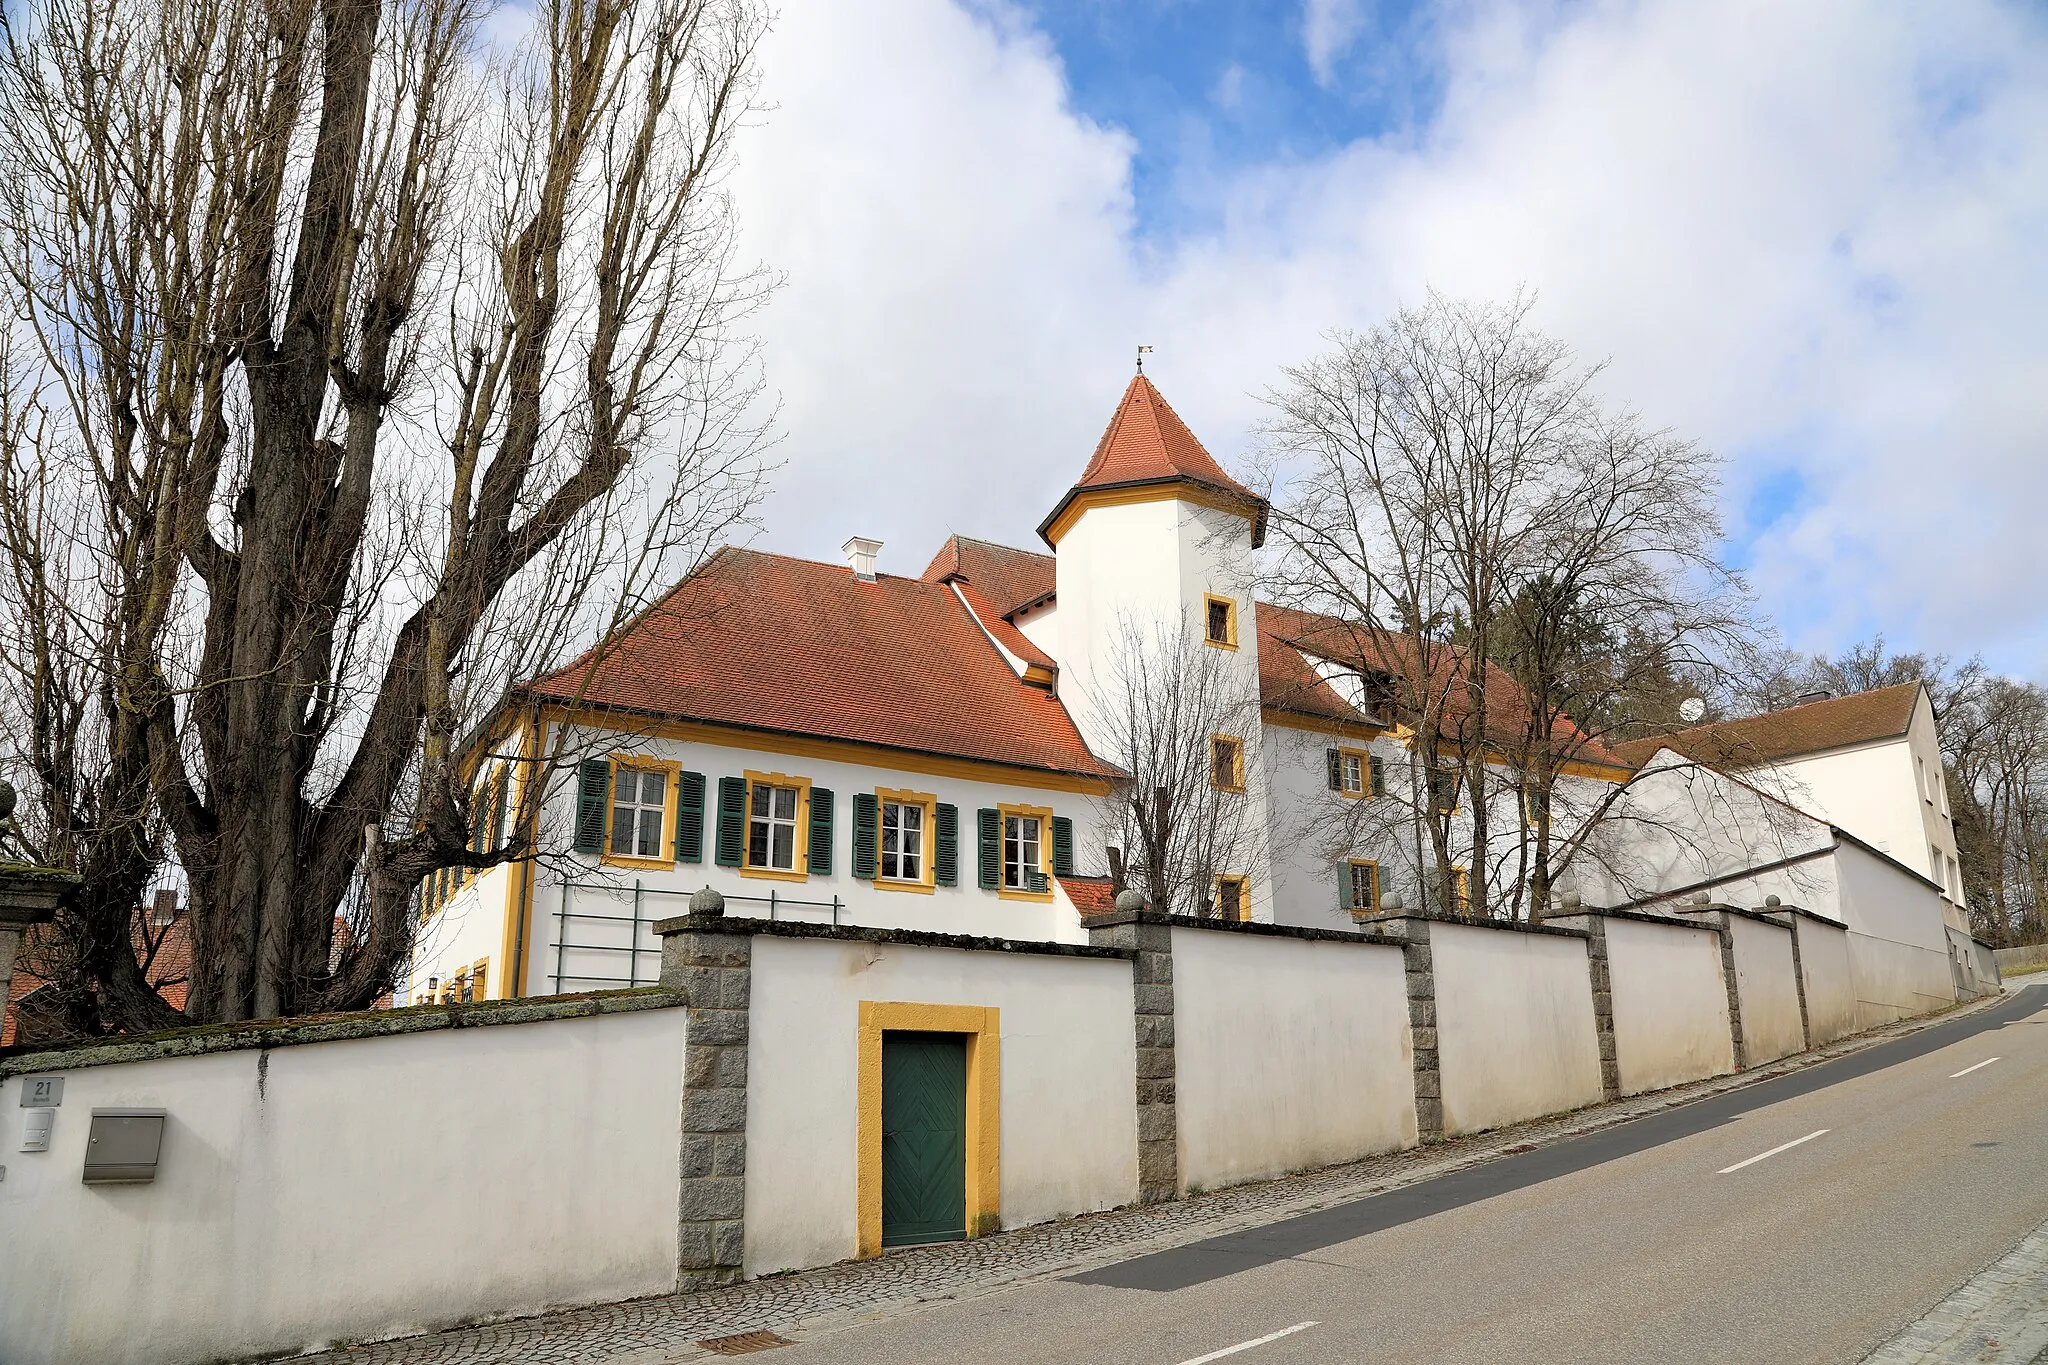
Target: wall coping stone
x,y
1760,916
1472,922
863,933
1640,916
1257,928
332,1028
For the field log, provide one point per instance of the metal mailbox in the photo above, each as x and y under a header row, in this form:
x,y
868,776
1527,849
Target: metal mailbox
x,y
123,1146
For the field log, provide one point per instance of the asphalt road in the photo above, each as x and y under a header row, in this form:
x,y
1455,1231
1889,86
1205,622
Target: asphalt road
x,y
1897,1180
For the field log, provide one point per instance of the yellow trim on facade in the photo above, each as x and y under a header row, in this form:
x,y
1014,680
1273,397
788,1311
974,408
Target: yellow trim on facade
x,y
1043,814
646,763
1236,743
1150,492
1461,888
1322,725
801,865
1319,725
838,750
519,930
982,1025
1230,621
926,846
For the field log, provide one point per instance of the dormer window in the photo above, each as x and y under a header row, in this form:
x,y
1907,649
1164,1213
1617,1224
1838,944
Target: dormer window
x,y
1220,621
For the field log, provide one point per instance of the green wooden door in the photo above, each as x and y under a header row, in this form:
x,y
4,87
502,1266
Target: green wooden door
x,y
924,1138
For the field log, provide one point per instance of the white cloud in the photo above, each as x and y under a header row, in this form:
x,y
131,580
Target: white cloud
x,y
1328,29
1809,235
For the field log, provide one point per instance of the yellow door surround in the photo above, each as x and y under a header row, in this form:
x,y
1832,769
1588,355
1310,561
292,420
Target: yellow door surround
x,y
982,1026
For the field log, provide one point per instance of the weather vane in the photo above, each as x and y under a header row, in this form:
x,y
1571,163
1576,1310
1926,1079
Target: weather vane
x,y
1141,358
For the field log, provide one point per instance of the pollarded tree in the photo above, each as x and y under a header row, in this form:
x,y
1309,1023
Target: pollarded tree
x,y
353,368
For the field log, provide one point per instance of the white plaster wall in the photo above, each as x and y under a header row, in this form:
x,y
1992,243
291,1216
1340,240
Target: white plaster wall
x,y
1767,989
1288,1054
348,1190
1670,1004
665,891
1069,1138
1830,984
469,928
1515,1033
1898,939
1307,840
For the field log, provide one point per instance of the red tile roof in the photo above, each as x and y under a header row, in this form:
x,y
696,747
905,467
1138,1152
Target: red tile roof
x,y
1816,726
767,642
164,950
1146,442
1007,578
1006,634
1090,895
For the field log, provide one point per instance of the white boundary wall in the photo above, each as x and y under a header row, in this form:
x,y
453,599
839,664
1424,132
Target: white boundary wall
x,y
1898,941
347,1190
1515,1030
1289,1053
1068,1140
1830,985
1767,990
1670,1004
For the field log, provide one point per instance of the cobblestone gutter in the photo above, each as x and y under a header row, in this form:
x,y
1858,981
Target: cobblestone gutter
x,y
666,1329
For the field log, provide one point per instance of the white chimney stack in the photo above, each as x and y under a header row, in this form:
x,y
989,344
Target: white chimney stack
x,y
860,553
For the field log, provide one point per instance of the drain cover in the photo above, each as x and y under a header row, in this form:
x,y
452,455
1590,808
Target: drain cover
x,y
746,1343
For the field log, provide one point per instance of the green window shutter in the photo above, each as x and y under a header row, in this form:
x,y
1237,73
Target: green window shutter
x,y
593,783
690,818
991,831
1036,882
1344,886
1062,846
946,846
1334,761
821,830
1378,779
732,820
867,814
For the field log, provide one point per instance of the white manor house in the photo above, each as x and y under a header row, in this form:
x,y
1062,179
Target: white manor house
x,y
826,742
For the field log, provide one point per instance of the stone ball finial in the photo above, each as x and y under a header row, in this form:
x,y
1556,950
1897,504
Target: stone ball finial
x,y
1571,900
1772,902
1391,901
1129,901
706,901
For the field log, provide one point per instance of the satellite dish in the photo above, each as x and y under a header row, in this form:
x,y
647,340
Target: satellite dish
x,y
1691,709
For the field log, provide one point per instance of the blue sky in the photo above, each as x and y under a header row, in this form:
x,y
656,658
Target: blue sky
x,y
1812,237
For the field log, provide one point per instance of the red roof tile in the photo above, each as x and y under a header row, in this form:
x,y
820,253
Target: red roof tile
x,y
1006,578
1006,634
1146,442
1816,726
772,643
1090,895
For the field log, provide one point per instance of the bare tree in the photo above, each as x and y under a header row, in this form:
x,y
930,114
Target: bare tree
x,y
352,370
1175,716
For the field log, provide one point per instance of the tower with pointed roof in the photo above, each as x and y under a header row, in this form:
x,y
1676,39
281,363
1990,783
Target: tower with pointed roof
x,y
1153,538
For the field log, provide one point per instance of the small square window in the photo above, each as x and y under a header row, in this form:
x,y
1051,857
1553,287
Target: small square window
x,y
1230,898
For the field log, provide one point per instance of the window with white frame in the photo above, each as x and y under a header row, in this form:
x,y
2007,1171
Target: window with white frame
x,y
1365,884
771,827
1022,864
903,841
639,808
1354,771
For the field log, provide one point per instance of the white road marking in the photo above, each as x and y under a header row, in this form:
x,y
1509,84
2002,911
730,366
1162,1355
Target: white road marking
x,y
1782,1147
1968,1069
1247,1345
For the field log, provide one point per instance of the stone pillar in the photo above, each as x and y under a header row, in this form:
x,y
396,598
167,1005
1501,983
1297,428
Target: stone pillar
x,y
714,971
1597,968
1148,937
1719,919
1421,969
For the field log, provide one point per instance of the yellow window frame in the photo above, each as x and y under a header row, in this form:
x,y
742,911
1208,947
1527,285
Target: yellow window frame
x,y
1043,814
1461,888
927,857
1244,892
801,870
1210,599
1236,743
645,763
1364,757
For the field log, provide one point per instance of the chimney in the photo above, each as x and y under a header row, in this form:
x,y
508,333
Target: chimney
x,y
860,554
